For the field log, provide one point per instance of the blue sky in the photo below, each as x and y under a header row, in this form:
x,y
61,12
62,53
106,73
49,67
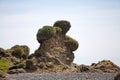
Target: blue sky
x,y
95,24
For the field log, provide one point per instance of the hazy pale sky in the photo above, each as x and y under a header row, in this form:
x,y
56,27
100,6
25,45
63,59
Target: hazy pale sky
x,y
95,25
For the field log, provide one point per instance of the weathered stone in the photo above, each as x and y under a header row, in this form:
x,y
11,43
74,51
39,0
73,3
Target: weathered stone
x,y
106,66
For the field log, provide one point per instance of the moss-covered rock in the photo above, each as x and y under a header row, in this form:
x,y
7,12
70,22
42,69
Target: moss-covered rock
x,y
20,51
71,43
45,33
17,52
55,47
64,25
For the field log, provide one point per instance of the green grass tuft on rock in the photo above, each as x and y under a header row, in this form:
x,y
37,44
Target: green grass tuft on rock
x,y
4,65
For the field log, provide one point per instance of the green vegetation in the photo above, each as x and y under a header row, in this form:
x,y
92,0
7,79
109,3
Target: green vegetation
x,y
20,51
45,33
71,43
4,65
21,65
64,25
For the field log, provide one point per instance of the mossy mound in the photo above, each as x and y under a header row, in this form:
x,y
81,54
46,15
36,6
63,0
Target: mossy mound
x,y
71,43
20,51
63,24
17,52
45,33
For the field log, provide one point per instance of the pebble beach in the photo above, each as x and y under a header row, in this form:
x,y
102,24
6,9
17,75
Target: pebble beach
x,y
63,76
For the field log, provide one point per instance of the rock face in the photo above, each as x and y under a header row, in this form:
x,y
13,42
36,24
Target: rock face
x,y
55,45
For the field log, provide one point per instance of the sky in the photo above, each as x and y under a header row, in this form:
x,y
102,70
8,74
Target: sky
x,y
95,25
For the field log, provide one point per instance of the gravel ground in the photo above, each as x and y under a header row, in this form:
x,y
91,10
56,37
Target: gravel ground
x,y
63,76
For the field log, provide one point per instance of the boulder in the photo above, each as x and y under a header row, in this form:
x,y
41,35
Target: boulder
x,y
106,66
15,71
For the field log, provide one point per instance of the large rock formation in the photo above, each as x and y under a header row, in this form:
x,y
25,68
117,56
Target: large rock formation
x,y
56,48
55,53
